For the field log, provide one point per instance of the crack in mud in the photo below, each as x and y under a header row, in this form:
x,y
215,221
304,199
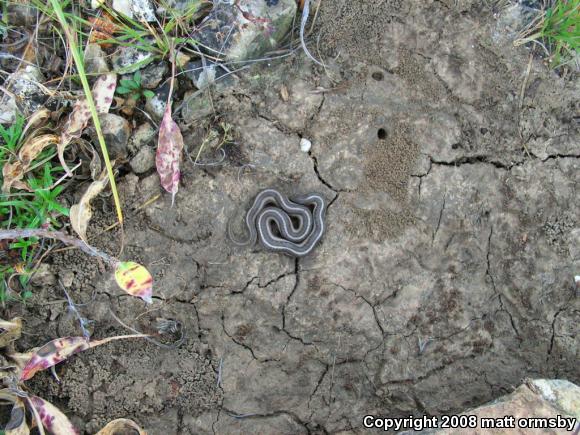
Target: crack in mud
x,y
244,345
440,218
496,292
373,307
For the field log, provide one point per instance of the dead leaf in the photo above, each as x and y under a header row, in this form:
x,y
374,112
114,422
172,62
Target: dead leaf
x,y
17,423
11,331
35,120
135,280
80,214
58,350
103,28
121,426
52,418
284,93
95,166
12,174
34,146
103,92
168,157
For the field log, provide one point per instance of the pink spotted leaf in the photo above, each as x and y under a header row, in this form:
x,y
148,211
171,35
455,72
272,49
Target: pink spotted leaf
x,y
169,150
58,350
103,92
52,418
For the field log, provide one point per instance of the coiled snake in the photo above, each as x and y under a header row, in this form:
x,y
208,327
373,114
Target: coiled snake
x,y
271,210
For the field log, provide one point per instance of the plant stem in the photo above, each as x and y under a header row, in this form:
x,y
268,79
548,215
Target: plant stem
x,y
89,96
58,235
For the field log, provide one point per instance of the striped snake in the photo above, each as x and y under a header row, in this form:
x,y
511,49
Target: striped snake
x,y
271,210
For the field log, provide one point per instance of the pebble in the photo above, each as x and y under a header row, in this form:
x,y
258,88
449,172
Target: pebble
x,y
143,161
152,75
305,145
142,135
116,131
95,60
43,276
67,277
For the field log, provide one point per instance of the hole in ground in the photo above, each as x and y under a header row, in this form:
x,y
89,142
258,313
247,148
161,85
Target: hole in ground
x,y
382,134
378,76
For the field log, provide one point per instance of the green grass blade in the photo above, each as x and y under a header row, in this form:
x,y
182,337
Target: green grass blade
x,y
74,49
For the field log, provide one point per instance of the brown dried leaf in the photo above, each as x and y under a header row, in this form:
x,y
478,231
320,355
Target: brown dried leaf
x,y
80,214
34,146
168,157
10,331
95,166
12,174
284,93
103,28
35,119
103,92
120,426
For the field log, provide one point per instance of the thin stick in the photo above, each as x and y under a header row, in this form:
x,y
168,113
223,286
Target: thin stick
x,y
305,13
64,238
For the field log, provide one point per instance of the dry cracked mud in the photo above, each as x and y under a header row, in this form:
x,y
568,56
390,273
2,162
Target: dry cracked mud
x,y
445,277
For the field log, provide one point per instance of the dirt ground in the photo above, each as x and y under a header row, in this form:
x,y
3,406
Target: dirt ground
x,y
445,277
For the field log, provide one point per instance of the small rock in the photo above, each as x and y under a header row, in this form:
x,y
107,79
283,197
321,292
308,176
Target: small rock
x,y
196,106
124,7
181,59
305,145
116,130
246,39
141,10
8,110
21,14
143,161
204,75
152,75
130,59
142,135
66,277
43,276
174,6
155,106
24,84
95,60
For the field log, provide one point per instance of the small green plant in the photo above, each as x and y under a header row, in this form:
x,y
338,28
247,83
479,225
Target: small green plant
x,y
557,29
29,210
11,138
26,209
133,89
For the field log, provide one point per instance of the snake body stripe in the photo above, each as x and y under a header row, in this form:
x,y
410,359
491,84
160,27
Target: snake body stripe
x,y
271,208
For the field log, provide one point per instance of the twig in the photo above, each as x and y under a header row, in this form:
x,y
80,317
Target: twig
x,y
64,238
305,13
83,322
152,340
219,374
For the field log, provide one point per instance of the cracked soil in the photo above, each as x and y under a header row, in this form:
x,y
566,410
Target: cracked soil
x,y
445,277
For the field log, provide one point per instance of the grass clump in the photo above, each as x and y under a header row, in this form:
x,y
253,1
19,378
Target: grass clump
x,y
26,210
557,30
